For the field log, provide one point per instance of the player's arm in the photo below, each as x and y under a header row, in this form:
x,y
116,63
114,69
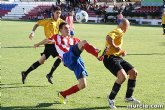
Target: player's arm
x,y
45,41
117,48
111,42
33,30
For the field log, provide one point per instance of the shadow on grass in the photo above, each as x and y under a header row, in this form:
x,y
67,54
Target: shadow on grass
x,y
21,87
17,85
40,108
162,43
147,54
10,84
21,47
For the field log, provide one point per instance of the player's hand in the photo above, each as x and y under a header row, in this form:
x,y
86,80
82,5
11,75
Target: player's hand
x,y
118,49
31,35
123,53
36,45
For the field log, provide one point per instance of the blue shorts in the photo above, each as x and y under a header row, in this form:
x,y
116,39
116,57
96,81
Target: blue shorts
x,y
74,62
118,21
71,32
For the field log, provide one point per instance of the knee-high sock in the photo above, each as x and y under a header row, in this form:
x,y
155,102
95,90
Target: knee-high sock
x,y
115,89
130,88
90,49
70,91
32,67
55,65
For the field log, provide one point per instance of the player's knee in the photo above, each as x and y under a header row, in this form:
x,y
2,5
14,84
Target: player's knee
x,y
122,79
133,74
82,86
41,62
84,42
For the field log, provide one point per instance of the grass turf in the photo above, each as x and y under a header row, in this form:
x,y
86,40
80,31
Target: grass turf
x,y
146,51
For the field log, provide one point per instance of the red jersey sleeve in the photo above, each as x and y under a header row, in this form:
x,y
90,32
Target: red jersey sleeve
x,y
53,38
59,43
76,40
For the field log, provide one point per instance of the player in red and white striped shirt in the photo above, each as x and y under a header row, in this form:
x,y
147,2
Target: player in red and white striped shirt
x,y
63,43
70,49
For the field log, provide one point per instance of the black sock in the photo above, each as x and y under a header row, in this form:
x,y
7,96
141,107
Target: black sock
x,y
130,87
115,89
32,67
55,65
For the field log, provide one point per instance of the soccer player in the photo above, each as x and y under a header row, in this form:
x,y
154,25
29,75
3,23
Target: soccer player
x,y
119,17
163,22
70,49
117,65
69,20
51,27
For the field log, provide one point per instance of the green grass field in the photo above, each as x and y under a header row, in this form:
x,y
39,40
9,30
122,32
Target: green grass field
x,y
146,51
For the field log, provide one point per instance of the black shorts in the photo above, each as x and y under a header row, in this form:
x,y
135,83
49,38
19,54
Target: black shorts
x,y
115,63
50,49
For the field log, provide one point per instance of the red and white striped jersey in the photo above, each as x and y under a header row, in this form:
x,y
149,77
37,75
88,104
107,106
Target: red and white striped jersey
x,y
63,43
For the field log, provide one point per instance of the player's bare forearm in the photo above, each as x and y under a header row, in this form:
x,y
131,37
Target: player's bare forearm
x,y
33,30
45,41
35,27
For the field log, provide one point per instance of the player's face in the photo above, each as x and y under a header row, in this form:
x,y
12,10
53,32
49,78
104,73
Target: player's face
x,y
65,31
56,14
125,26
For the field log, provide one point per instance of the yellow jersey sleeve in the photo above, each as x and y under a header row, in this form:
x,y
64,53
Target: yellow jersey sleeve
x,y
111,35
163,19
51,27
42,22
117,36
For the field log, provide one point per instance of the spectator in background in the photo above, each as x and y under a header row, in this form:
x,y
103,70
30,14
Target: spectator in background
x,y
119,17
115,8
163,22
122,7
24,11
69,20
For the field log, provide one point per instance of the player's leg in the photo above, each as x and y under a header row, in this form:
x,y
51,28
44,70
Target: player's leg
x,y
112,63
33,67
163,25
89,48
121,77
53,52
81,85
78,67
49,76
45,55
132,72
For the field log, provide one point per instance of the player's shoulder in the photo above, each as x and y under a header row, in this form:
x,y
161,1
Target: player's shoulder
x,y
76,39
55,35
60,20
118,30
46,19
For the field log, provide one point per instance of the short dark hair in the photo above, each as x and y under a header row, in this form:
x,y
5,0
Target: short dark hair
x,y
62,24
55,8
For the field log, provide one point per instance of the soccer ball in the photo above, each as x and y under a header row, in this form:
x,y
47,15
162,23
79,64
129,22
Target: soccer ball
x,y
82,16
